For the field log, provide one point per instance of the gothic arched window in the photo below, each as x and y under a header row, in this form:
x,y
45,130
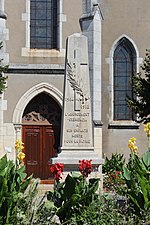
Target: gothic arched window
x,y
124,68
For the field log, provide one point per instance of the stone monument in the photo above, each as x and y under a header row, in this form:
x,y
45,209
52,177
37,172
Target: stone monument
x,y
77,121
77,128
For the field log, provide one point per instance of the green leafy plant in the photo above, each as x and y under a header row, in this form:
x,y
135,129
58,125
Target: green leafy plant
x,y
20,203
115,163
11,185
75,193
112,180
141,87
105,210
34,208
136,175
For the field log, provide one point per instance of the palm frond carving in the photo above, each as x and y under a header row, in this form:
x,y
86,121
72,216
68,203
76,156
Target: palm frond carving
x,y
71,78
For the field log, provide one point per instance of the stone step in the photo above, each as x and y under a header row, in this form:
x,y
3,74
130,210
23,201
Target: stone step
x,y
42,188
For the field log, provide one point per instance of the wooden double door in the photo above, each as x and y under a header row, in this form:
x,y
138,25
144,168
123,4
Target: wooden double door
x,y
40,145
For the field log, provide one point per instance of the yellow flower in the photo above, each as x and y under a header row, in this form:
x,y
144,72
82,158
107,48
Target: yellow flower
x,y
20,156
19,145
134,149
133,139
147,129
132,146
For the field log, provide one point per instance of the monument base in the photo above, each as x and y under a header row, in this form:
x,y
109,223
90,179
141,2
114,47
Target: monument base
x,y
72,157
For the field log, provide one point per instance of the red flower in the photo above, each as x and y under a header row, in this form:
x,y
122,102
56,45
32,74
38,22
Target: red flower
x,y
85,167
117,172
57,169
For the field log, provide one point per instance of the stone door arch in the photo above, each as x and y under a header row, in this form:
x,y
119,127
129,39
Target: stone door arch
x,y
41,123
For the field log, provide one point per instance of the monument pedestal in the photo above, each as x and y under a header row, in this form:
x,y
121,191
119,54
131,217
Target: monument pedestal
x,y
72,157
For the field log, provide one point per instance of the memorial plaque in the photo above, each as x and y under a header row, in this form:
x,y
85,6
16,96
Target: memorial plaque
x,y
77,122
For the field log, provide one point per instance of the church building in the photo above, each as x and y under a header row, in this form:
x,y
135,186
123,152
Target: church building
x,y
34,46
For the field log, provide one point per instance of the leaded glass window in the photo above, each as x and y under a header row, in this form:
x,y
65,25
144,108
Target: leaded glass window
x,y
43,24
124,68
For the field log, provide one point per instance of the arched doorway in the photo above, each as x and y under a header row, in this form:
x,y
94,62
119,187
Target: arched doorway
x,y
41,134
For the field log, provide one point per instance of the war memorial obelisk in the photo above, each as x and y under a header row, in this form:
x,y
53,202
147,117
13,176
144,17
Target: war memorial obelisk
x,y
77,129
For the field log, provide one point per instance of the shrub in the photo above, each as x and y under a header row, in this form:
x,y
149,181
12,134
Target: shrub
x,y
34,209
115,163
137,179
75,193
112,168
11,186
105,210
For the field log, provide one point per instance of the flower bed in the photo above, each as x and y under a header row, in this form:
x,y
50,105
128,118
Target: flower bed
x,y
76,200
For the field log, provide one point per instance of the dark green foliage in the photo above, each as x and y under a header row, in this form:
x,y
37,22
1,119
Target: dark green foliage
x,y
34,209
141,86
137,178
71,196
105,210
133,182
115,163
20,203
3,78
112,169
11,185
